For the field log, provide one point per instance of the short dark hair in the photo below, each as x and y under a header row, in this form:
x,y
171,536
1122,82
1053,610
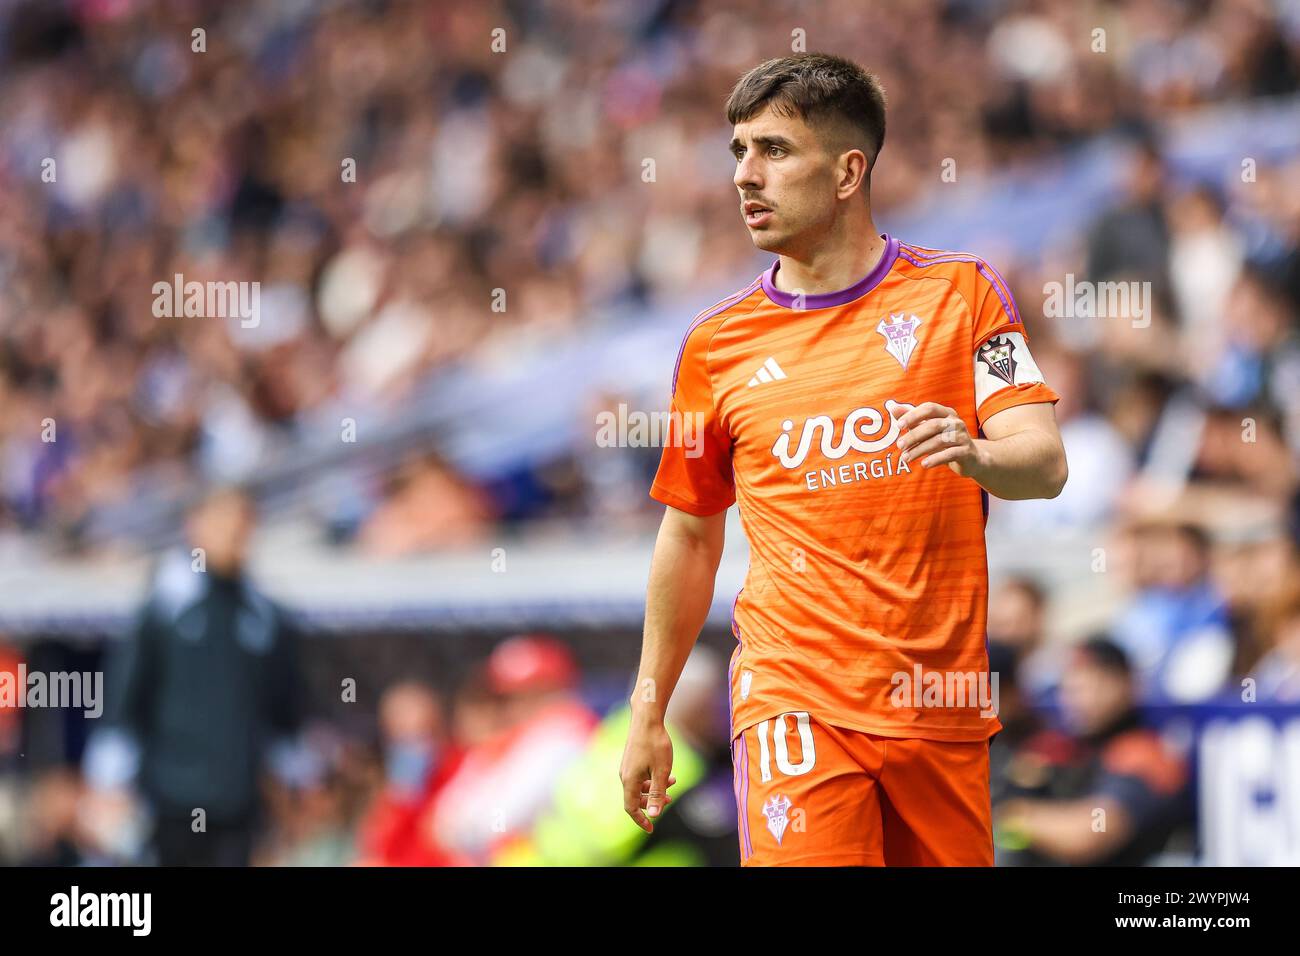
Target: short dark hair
x,y
817,87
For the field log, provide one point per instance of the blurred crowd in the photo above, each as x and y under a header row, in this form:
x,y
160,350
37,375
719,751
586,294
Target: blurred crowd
x,y
384,168
518,768
517,764
212,752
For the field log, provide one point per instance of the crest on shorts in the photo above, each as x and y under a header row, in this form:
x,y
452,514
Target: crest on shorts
x,y
777,809
899,331
746,679
996,354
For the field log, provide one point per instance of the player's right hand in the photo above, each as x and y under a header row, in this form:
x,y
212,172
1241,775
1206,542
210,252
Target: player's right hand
x,y
646,771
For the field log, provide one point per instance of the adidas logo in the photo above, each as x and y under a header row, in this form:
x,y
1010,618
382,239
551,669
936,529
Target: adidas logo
x,y
767,372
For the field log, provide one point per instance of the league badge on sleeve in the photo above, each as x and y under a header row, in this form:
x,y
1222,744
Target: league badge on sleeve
x,y
899,332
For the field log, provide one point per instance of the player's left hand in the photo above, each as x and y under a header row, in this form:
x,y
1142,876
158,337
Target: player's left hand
x,y
936,435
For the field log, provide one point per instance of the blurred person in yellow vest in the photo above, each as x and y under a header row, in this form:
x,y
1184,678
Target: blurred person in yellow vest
x,y
581,828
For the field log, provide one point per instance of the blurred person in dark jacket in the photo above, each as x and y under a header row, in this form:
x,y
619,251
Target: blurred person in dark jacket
x,y
1104,791
198,695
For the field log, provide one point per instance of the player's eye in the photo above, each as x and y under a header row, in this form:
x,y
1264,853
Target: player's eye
x,y
776,152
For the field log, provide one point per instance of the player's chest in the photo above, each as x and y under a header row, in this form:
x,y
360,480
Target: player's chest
x,y
826,388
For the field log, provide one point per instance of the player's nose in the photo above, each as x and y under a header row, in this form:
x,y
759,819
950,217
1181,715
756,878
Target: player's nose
x,y
747,178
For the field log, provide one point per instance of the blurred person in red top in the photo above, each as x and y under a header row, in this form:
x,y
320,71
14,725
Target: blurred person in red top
x,y
9,748
10,661
507,780
419,760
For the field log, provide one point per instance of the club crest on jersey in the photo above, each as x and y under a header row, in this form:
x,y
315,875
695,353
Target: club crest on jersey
x,y
899,332
777,810
996,354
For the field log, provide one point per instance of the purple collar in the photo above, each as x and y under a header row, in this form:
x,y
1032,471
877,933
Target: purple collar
x,y
826,299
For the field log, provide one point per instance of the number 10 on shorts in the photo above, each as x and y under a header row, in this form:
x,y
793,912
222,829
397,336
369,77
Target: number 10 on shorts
x,y
776,729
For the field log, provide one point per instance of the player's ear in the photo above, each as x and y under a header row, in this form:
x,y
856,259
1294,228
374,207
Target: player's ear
x,y
853,172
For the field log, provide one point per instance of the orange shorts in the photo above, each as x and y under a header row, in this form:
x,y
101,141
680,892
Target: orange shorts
x,y
809,794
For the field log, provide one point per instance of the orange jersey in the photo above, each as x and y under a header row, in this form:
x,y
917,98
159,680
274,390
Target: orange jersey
x,y
867,590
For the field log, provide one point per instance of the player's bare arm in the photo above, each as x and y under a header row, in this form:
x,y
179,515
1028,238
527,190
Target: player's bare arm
x,y
682,570
1020,457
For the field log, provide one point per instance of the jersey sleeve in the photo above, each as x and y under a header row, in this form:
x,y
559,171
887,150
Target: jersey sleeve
x,y
695,472
1005,373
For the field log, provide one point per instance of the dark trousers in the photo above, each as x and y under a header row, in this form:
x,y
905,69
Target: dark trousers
x,y
221,844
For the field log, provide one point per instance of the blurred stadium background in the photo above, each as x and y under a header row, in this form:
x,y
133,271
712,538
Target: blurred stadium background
x,y
464,257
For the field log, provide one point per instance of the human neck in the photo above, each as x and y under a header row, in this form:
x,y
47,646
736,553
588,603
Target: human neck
x,y
835,264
